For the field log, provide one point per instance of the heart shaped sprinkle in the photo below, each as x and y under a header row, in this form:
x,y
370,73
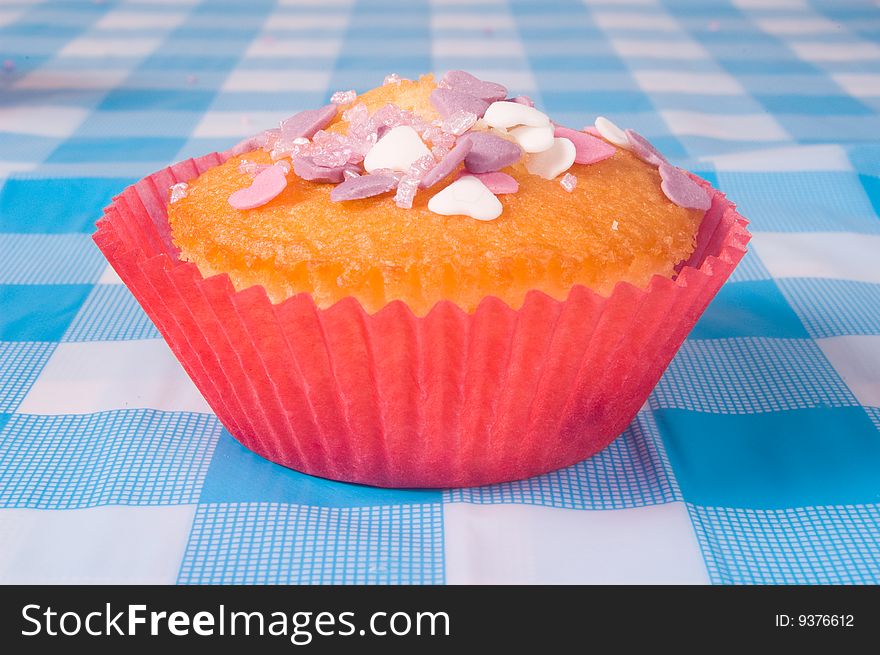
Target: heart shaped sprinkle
x,y
589,149
307,169
523,100
643,149
448,164
464,82
553,161
611,133
364,186
248,144
497,182
681,189
397,150
466,196
265,186
507,114
533,139
306,123
448,101
490,153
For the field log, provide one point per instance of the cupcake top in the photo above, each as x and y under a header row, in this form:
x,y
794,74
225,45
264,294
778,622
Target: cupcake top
x,y
421,191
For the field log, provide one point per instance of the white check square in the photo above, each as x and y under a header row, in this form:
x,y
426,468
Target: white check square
x,y
831,255
526,544
99,545
725,127
857,359
96,376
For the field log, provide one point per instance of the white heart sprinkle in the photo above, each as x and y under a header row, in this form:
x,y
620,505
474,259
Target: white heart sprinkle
x,y
397,150
468,196
533,139
552,162
508,114
611,133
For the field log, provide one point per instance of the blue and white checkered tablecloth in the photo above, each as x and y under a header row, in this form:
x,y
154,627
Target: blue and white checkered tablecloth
x,y
757,458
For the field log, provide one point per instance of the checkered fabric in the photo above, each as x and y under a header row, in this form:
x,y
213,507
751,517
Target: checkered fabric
x,y
757,457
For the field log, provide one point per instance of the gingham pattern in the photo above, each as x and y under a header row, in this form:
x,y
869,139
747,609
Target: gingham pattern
x,y
764,429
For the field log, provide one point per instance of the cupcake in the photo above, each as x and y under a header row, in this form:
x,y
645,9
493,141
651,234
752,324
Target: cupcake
x,y
431,284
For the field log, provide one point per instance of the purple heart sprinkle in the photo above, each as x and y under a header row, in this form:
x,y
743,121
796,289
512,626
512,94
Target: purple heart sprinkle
x,y
364,186
307,169
490,153
447,102
681,189
449,163
643,149
306,123
464,82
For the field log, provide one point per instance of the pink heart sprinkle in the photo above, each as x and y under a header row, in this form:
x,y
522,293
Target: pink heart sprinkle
x,y
681,189
643,149
266,185
497,182
588,149
589,129
523,100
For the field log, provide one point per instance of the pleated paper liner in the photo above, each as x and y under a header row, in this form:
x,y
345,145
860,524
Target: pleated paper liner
x,y
394,400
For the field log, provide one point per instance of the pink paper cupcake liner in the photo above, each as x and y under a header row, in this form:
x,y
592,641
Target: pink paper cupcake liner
x,y
395,400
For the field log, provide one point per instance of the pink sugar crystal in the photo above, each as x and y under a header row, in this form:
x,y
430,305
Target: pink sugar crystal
x,y
253,168
397,175
432,132
389,115
393,116
439,138
343,97
249,167
459,122
393,78
356,115
420,167
406,192
362,134
330,149
332,158
283,148
568,182
347,174
266,140
178,191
